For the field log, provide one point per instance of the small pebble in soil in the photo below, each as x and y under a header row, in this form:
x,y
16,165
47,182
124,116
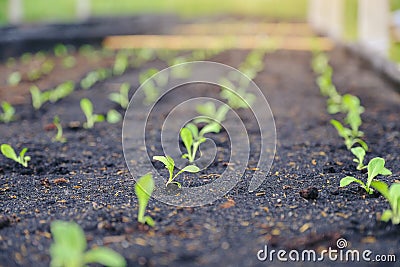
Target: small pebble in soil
x,y
309,193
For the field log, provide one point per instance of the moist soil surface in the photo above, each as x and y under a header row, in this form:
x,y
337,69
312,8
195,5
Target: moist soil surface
x,y
298,206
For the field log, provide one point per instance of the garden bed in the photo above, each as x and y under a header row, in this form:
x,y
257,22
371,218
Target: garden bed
x,y
86,179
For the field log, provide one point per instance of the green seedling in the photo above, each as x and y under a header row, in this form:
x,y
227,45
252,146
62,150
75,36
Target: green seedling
x,y
26,58
392,195
121,98
192,138
165,54
359,152
236,98
113,116
253,63
376,166
198,55
325,85
210,113
9,152
91,119
90,79
38,97
14,78
8,112
59,136
180,70
347,134
86,50
60,50
61,91
170,165
121,63
69,62
151,84
41,55
69,248
103,73
144,188
142,56
47,66
34,75
319,63
351,106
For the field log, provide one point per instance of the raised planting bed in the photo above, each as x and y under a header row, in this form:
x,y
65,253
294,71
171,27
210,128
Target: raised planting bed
x,y
298,206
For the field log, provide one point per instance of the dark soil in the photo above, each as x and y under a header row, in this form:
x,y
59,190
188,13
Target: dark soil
x,y
86,179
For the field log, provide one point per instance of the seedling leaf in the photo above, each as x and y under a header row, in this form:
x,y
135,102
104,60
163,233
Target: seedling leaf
x,y
168,162
348,180
375,167
359,152
143,189
104,256
9,152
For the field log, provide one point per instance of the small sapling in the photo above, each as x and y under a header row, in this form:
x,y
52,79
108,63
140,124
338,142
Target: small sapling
x,y
347,134
91,119
210,113
375,167
169,164
121,98
14,78
69,248
8,112
359,152
392,195
38,97
9,152
59,135
143,189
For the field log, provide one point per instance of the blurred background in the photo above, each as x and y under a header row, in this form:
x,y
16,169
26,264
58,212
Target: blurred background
x,y
375,23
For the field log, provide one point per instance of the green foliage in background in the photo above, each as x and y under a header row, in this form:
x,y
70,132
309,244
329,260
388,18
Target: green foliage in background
x,y
64,10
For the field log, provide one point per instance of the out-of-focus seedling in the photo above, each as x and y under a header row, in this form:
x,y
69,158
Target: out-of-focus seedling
x,y
121,98
179,70
69,248
69,62
150,86
61,91
47,66
376,166
236,97
392,195
121,63
170,165
144,188
38,97
8,112
320,63
91,119
14,78
60,50
347,134
9,152
59,135
113,116
211,114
